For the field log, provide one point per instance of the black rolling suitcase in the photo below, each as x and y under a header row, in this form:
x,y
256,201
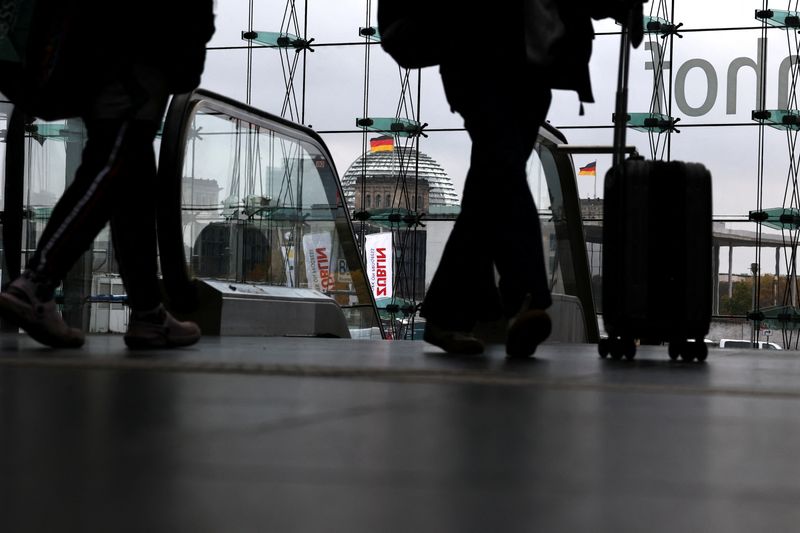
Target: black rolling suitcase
x,y
657,249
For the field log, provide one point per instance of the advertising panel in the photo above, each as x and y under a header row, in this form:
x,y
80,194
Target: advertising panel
x,y
317,248
379,264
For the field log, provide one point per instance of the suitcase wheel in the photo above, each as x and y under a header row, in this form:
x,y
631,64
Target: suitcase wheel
x,y
688,351
674,350
604,347
617,348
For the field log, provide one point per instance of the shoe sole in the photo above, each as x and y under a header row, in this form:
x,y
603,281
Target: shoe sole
x,y
463,347
527,333
154,343
19,314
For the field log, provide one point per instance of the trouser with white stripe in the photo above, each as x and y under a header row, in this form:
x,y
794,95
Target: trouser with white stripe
x,y
116,183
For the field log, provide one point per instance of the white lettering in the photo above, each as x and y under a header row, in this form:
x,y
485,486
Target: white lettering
x,y
323,266
380,270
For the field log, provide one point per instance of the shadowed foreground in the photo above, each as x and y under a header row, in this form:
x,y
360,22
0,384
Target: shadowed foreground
x,y
296,434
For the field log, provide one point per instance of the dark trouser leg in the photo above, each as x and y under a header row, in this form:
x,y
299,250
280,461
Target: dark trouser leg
x,y
463,288
133,221
517,248
85,206
114,182
498,224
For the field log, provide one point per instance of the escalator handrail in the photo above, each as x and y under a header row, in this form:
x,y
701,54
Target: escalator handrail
x,y
180,288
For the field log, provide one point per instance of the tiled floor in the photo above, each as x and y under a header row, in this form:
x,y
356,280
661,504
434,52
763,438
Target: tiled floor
x,y
292,434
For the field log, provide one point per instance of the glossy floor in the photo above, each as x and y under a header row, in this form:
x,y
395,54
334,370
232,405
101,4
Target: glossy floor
x,y
291,434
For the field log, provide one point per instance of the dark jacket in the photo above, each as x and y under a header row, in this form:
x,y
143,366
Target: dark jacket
x,y
573,51
75,46
485,38
490,44
169,34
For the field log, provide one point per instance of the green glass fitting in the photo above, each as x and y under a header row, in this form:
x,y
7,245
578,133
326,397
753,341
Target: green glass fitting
x,y
660,25
402,127
371,31
393,216
781,218
781,119
779,18
276,39
651,122
781,317
50,130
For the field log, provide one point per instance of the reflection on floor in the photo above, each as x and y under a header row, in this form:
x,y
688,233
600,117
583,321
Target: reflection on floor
x,y
296,434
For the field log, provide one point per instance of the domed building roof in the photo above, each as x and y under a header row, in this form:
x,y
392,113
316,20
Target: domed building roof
x,y
386,161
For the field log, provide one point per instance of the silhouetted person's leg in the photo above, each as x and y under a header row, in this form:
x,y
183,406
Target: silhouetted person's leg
x,y
77,217
133,221
85,207
498,223
116,176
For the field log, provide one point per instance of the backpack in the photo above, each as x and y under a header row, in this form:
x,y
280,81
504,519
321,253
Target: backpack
x,y
178,31
410,34
60,53
14,22
48,64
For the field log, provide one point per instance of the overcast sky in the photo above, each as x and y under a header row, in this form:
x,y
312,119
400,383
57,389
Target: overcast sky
x,y
335,90
335,95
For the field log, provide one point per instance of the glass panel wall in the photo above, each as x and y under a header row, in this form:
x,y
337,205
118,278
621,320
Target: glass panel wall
x,y
712,78
261,204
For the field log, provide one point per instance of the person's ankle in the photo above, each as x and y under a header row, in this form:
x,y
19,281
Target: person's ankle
x,y
31,283
154,315
452,340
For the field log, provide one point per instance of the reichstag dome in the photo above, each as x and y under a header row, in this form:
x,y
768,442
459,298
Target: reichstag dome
x,y
387,168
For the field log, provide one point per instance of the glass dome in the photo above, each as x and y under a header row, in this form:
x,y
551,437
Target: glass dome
x,y
388,161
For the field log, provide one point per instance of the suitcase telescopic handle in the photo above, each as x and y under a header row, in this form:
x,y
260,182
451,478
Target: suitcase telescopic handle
x,y
632,36
621,104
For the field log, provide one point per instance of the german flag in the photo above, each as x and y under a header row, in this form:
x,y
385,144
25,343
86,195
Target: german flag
x,y
381,144
588,170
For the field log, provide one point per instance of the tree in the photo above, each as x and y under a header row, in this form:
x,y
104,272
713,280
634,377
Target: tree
x,y
741,300
773,292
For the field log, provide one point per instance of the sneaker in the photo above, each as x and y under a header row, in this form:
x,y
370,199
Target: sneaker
x,y
20,306
527,330
159,329
455,342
